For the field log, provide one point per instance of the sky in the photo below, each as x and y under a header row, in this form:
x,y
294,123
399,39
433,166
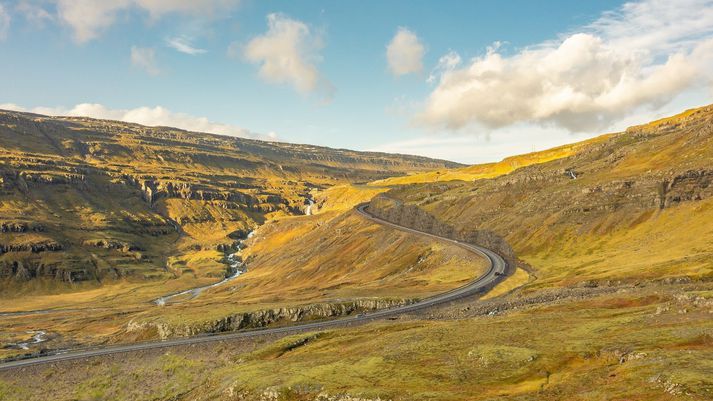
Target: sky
x,y
468,81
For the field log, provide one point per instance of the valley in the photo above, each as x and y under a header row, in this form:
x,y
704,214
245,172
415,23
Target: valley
x,y
238,200
132,222
610,283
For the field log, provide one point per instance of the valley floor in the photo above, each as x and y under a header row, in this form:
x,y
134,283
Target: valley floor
x,y
645,341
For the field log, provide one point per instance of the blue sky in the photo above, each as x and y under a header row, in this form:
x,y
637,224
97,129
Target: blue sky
x,y
514,76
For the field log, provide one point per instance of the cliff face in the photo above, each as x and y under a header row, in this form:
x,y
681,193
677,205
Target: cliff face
x,y
70,186
414,217
257,319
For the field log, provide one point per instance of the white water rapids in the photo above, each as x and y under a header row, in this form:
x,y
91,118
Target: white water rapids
x,y
38,336
233,261
308,210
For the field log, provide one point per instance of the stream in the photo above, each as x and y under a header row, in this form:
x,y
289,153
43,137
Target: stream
x,y
38,336
235,265
308,210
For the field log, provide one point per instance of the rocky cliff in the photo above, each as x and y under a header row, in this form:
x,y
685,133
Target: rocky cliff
x,y
257,319
412,216
84,199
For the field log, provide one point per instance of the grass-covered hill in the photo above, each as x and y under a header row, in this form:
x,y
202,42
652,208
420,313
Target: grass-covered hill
x,y
632,205
85,201
617,305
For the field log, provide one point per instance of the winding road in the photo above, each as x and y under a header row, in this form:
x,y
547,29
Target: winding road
x,y
498,268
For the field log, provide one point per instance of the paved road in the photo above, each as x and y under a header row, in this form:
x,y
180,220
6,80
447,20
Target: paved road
x,y
498,268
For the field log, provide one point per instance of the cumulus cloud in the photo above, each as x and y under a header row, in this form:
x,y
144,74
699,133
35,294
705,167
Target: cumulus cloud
x,y
446,63
288,53
641,55
145,58
405,53
184,45
4,22
88,18
151,116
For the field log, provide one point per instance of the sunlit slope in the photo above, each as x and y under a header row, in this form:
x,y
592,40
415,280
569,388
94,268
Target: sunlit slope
x,y
345,197
633,205
345,255
330,258
86,201
491,170
293,264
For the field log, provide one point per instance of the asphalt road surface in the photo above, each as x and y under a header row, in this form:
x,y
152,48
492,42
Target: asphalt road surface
x,y
497,269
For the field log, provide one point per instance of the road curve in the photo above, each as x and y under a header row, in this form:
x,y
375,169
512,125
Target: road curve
x,y
498,268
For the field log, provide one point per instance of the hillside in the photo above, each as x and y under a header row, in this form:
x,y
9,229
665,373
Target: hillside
x,y
612,298
86,201
632,205
491,170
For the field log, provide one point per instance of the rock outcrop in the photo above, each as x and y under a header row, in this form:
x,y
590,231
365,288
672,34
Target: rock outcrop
x,y
261,318
20,270
414,217
98,187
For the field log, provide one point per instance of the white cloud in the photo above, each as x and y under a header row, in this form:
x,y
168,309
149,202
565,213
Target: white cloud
x,y
145,58
151,116
88,18
640,56
4,22
446,63
33,13
159,8
658,26
288,53
184,45
405,53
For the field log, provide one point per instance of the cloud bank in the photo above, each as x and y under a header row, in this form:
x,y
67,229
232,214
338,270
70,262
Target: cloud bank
x,y
404,53
288,53
642,55
151,116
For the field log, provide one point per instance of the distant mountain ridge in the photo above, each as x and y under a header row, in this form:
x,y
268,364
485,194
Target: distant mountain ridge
x,y
89,200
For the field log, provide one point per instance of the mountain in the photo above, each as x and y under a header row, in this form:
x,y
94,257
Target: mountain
x,y
626,206
86,200
611,297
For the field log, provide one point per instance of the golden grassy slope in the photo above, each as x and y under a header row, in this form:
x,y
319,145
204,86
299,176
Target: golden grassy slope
x,y
345,197
293,262
89,183
639,208
545,353
303,260
491,170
